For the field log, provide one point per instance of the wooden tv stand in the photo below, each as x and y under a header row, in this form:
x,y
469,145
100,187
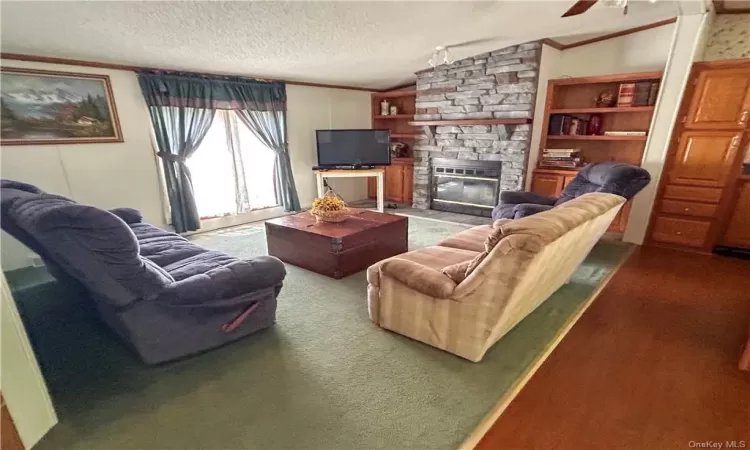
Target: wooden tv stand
x,y
320,175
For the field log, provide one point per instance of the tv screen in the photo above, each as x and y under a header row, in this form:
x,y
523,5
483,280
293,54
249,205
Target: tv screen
x,y
354,148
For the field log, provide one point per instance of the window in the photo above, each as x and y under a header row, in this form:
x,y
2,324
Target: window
x,y
232,171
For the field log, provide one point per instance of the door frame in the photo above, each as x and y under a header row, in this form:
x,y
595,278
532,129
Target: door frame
x,y
23,386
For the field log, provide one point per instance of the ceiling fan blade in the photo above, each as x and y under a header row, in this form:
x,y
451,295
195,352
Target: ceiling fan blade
x,y
579,7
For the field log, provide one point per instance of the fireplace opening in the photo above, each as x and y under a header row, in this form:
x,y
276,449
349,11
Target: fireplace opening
x,y
465,187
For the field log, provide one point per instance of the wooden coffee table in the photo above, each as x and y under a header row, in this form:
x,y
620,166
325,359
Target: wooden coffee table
x,y
337,249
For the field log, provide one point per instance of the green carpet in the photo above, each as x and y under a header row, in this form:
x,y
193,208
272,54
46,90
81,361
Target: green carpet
x,y
324,377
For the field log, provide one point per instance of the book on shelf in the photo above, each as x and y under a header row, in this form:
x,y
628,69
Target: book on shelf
x,y
560,164
559,124
624,133
653,93
641,93
625,94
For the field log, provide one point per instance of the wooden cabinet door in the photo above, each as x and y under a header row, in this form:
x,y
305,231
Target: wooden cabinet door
x,y
738,231
394,183
721,100
408,183
704,158
547,184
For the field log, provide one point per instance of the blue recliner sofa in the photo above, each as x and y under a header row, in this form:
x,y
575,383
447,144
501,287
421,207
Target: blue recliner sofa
x,y
610,177
162,294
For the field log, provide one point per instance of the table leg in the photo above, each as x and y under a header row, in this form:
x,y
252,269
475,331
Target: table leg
x,y
380,192
321,187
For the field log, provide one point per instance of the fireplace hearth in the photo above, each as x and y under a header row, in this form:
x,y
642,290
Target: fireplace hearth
x,y
465,187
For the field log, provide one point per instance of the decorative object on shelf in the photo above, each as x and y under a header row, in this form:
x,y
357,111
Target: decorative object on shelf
x,y
329,208
398,149
578,126
562,158
624,133
394,110
50,107
384,107
594,126
625,94
606,99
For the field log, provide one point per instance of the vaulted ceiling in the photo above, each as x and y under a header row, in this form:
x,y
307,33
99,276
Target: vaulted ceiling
x,y
374,44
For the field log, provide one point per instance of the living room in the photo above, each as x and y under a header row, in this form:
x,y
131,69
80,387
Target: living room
x,y
362,334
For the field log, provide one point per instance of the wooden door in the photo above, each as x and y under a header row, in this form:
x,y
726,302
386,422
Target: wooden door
x,y
394,183
547,184
721,100
408,183
704,158
738,231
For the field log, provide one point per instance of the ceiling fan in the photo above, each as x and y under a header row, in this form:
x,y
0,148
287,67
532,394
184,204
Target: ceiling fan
x,y
581,6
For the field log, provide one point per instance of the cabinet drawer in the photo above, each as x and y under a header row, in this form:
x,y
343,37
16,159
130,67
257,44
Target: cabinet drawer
x,y
688,208
692,193
691,233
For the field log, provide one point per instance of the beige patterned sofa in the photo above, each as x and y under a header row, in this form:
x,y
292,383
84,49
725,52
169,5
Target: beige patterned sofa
x,y
468,291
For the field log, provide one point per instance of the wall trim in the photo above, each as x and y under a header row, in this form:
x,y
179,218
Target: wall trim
x,y
560,46
720,8
125,67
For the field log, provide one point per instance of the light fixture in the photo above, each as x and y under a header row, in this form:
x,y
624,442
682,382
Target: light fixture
x,y
434,61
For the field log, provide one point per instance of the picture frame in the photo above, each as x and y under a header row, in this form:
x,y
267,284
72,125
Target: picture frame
x,y
50,107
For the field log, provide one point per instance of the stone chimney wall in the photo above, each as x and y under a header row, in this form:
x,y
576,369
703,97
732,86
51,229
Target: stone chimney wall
x,y
498,85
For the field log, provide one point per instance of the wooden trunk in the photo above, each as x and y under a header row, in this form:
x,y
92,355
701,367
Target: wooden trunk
x,y
337,249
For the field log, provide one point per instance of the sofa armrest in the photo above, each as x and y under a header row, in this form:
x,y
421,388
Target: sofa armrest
x,y
226,282
516,198
128,215
418,277
528,209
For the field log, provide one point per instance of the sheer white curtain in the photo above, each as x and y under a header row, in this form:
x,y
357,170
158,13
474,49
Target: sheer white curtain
x,y
232,171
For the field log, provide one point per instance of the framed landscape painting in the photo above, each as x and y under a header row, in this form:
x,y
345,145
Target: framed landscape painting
x,y
46,107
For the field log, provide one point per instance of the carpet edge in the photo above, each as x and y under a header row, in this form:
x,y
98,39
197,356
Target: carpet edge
x,y
471,441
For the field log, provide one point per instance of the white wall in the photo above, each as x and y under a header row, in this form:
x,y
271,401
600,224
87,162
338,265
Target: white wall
x,y
548,66
313,108
104,175
689,38
637,52
125,174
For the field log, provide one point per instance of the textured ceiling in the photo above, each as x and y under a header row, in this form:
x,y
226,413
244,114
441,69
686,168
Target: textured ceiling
x,y
363,43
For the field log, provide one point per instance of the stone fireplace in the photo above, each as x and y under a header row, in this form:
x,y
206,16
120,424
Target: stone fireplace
x,y
488,88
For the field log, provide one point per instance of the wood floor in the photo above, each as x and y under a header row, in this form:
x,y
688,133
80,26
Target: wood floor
x,y
651,365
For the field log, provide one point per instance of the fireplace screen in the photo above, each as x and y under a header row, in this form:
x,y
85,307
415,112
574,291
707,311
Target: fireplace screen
x,y
468,187
464,189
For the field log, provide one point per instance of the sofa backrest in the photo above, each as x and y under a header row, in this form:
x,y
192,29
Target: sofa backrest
x,y
89,244
609,177
534,256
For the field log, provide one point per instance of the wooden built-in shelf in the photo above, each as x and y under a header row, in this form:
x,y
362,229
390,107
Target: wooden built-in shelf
x,y
431,123
624,109
394,117
582,137
405,135
394,94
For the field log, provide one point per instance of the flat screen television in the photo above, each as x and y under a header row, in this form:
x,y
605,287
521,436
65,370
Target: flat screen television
x,y
353,148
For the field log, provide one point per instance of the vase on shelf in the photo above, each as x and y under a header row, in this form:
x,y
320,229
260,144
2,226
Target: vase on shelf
x,y
384,108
